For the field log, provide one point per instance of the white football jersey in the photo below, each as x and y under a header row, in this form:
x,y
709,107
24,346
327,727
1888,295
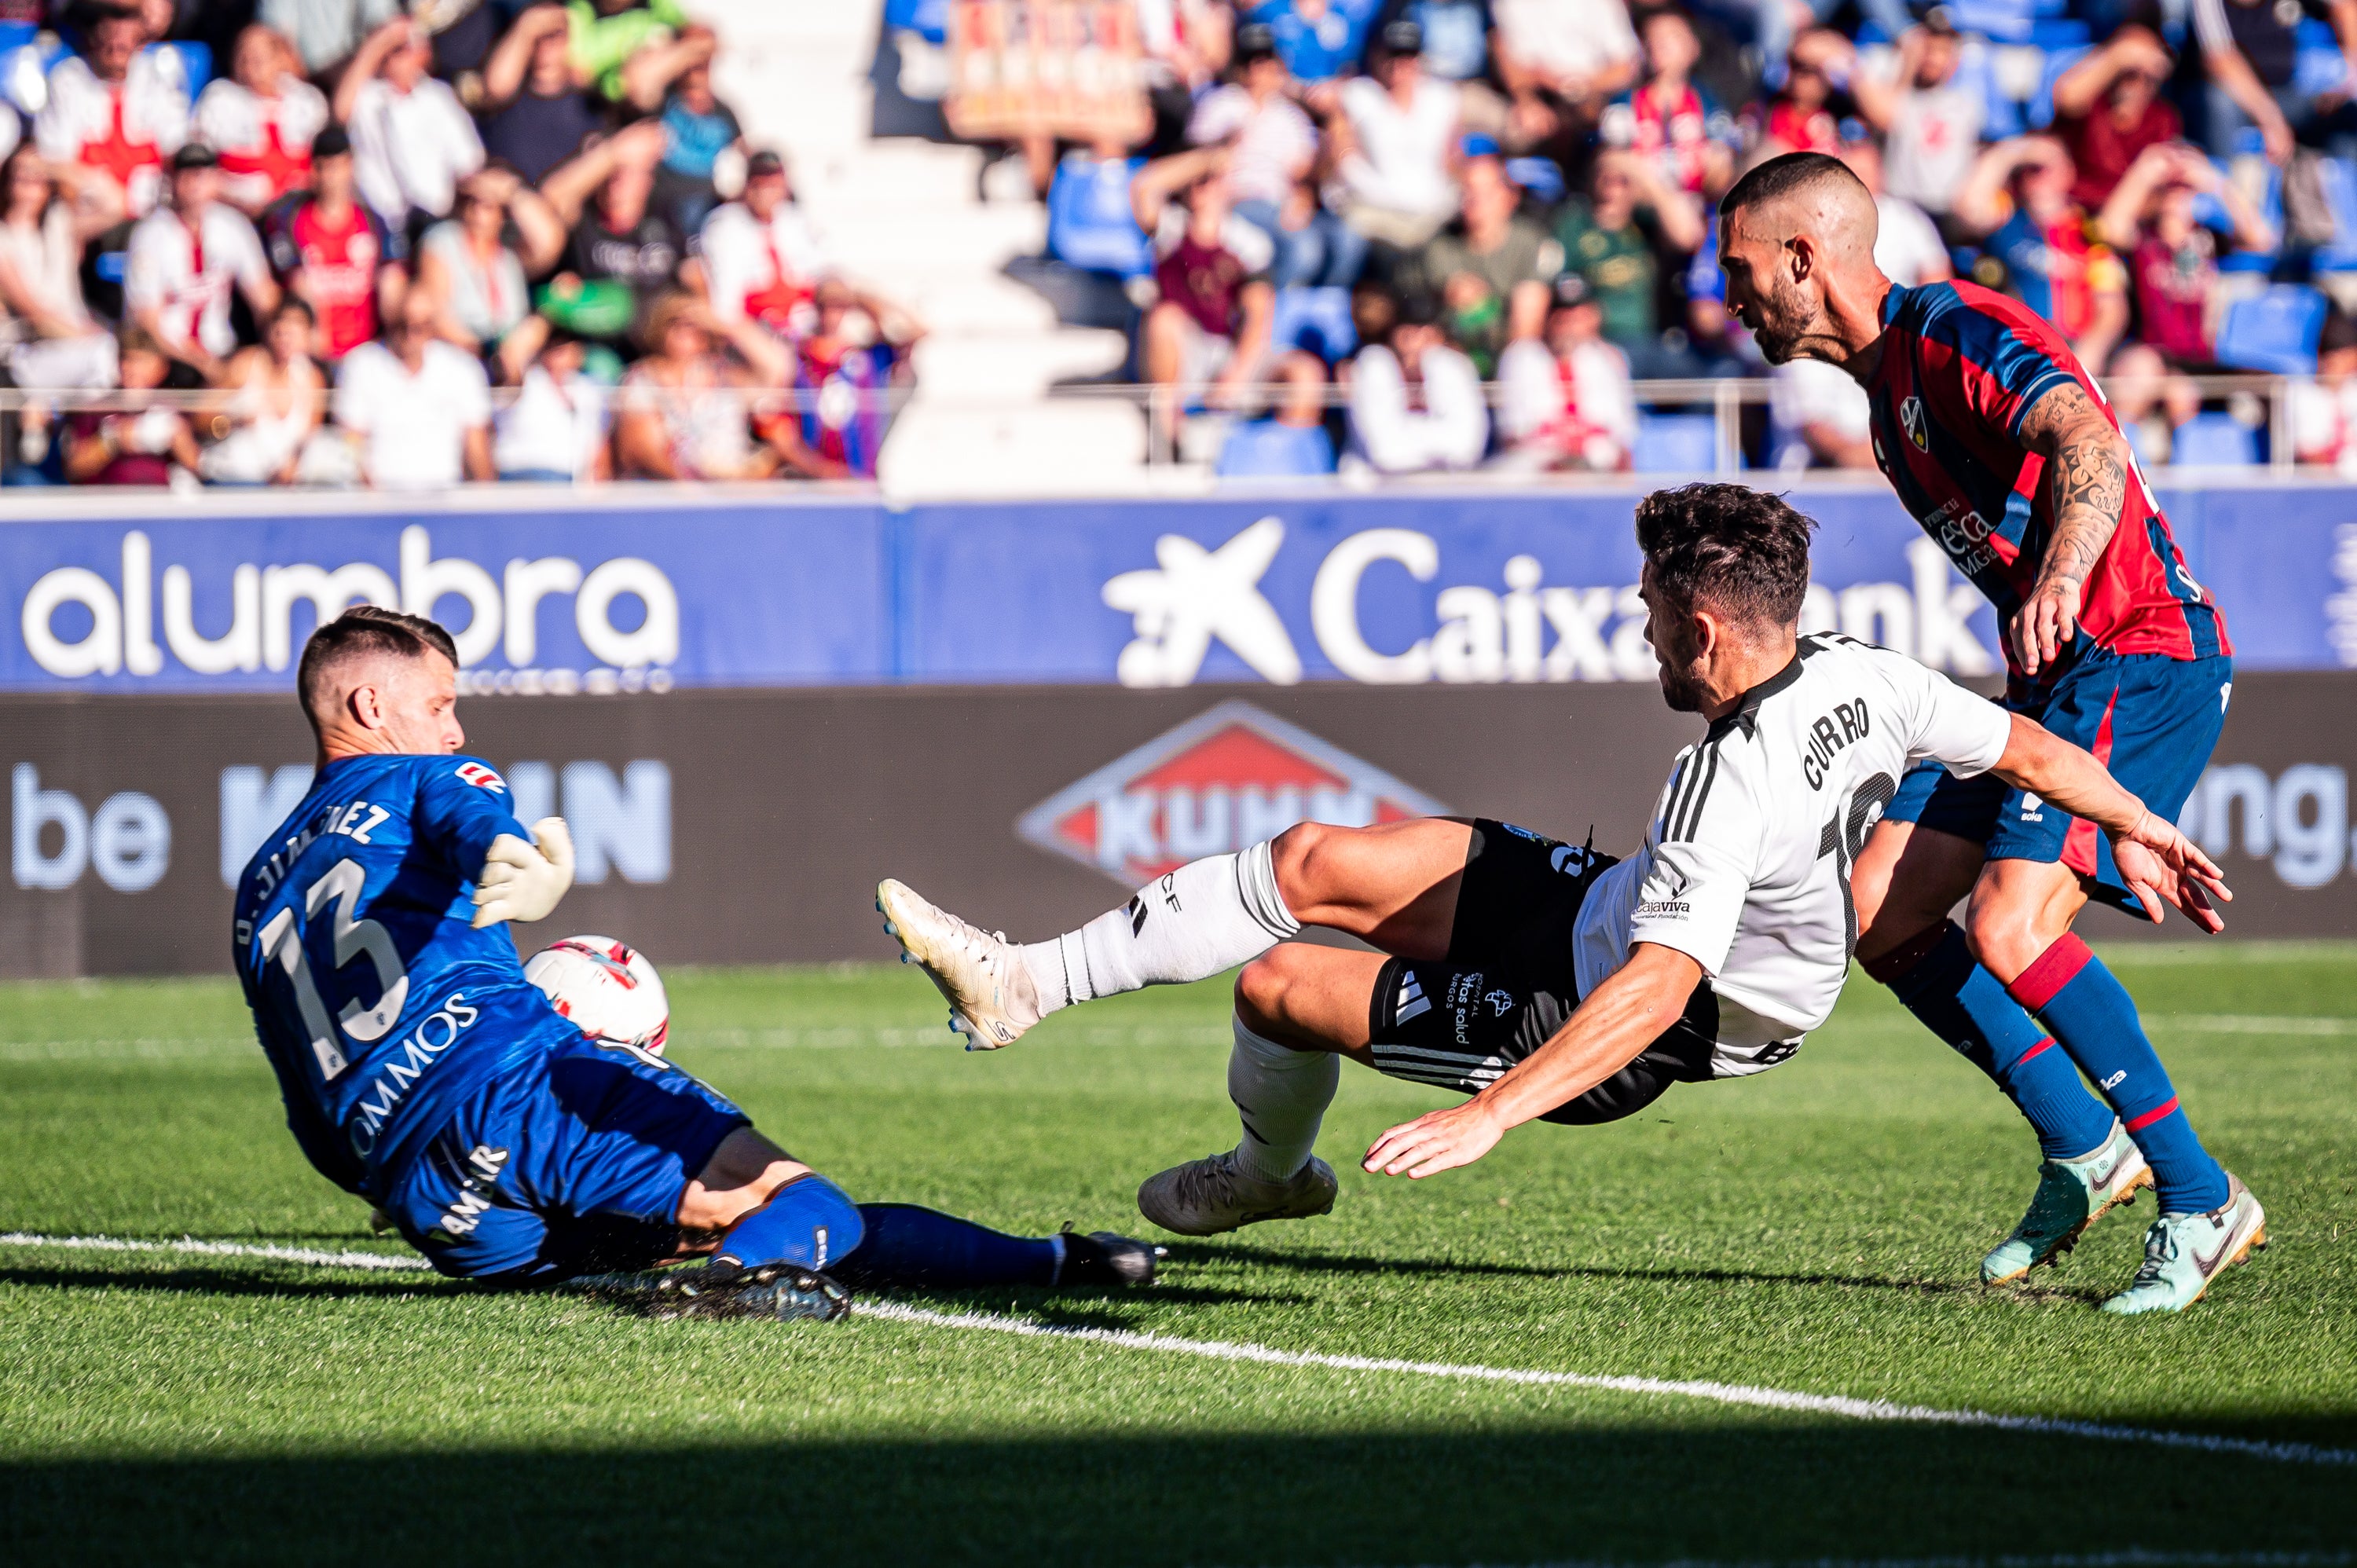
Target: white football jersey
x,y
1747,862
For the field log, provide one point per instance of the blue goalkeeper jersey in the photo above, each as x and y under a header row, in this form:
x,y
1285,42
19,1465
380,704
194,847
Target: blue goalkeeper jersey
x,y
378,1004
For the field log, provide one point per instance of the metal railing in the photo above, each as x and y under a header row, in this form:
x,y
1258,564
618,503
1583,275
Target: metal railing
x,y
2259,401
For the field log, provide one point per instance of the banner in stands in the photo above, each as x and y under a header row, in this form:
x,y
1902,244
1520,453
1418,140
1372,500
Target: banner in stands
x,y
1399,589
753,826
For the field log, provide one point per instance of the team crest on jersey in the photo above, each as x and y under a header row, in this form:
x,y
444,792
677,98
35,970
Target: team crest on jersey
x,y
1230,777
1911,414
481,776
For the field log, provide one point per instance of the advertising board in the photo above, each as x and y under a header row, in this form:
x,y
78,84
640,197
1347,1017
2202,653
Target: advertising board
x,y
1395,589
753,826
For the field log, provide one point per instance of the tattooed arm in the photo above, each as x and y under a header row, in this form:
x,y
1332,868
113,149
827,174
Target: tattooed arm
x,y
2087,464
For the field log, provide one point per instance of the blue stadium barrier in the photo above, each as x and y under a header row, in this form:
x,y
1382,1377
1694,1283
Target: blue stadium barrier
x,y
2274,331
2215,440
1675,443
1263,449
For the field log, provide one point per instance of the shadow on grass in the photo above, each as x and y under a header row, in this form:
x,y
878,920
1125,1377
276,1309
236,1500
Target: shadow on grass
x,y
1756,1490
1348,1263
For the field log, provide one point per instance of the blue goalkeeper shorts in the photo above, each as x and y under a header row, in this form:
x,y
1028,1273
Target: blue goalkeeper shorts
x,y
2152,720
570,1163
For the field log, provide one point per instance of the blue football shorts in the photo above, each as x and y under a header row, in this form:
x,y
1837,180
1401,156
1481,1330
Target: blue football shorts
x,y
570,1163
2152,720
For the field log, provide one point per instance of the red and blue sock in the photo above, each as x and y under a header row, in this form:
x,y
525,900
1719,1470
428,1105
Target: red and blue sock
x,y
1934,977
2091,1013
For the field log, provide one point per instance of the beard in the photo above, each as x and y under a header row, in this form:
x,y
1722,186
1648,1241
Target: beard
x,y
1784,322
1680,689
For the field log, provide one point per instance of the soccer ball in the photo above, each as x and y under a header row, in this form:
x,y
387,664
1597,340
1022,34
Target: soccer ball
x,y
606,987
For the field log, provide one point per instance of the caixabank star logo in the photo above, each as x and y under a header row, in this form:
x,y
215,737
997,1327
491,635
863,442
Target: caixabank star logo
x,y
1229,777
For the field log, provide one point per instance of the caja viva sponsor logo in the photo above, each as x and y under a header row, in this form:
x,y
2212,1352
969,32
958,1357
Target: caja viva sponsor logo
x,y
1532,631
128,624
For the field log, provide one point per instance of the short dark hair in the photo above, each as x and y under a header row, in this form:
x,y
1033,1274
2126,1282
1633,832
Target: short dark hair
x,y
1782,175
365,629
1739,551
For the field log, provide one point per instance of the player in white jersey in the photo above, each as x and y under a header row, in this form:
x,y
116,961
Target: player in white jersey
x,y
1547,981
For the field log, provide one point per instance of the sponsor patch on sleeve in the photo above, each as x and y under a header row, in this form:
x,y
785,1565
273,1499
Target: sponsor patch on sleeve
x,y
481,777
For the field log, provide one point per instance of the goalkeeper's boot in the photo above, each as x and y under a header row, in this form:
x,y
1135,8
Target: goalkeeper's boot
x,y
1102,1258
773,1290
2072,1195
980,974
2183,1253
1206,1197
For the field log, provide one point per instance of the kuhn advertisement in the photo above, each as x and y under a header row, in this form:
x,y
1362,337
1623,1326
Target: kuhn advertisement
x,y
1394,590
749,826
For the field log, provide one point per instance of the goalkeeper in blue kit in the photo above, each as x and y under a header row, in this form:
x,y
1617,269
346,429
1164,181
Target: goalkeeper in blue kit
x,y
423,1072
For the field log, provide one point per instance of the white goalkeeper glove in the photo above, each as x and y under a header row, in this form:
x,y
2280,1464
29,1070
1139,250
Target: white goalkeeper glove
x,y
523,882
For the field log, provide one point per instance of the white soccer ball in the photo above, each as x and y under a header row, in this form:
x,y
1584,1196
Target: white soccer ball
x,y
606,987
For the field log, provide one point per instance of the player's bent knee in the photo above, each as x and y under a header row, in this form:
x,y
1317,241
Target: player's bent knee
x,y
1263,987
807,1223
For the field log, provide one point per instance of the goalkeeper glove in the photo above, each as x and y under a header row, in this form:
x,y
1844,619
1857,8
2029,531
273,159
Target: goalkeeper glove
x,y
523,881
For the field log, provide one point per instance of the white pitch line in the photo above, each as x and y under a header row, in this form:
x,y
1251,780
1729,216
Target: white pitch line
x,y
218,1249
1716,1392
1268,1356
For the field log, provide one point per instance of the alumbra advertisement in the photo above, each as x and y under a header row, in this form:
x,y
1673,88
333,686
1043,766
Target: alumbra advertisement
x,y
753,826
1403,590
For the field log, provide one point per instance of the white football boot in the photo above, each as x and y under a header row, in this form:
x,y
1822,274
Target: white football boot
x,y
979,973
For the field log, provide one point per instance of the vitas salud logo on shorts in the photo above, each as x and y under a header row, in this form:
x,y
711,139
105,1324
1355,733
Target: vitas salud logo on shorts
x,y
1229,777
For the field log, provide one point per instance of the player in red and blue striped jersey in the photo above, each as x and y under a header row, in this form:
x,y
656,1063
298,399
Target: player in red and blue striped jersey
x,y
2000,444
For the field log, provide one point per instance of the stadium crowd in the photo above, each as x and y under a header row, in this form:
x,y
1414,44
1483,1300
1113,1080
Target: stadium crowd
x,y
472,239
480,239
1410,197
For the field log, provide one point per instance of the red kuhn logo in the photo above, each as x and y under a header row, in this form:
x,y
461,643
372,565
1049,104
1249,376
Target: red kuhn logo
x,y
1223,780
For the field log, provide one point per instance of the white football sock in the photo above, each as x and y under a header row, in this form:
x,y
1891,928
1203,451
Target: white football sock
x,y
1208,915
1281,1096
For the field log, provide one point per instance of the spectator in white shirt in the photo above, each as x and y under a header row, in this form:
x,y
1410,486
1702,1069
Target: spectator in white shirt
x,y
1567,403
1391,144
1415,402
184,260
411,139
420,408
48,213
1560,61
116,110
1907,245
1930,117
761,257
555,432
1273,145
261,122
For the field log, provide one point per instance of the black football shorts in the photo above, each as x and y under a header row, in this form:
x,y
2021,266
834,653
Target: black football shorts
x,y
1508,983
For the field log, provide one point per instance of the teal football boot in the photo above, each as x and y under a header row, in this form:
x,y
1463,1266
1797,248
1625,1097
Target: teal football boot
x,y
2183,1253
2072,1195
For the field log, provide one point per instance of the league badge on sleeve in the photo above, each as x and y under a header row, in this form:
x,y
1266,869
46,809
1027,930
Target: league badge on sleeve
x,y
1911,414
481,777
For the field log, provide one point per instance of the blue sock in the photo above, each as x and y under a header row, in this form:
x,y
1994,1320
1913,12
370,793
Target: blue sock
x,y
907,1245
1934,978
2094,1018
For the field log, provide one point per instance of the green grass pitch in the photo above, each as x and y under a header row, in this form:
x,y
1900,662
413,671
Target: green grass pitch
x,y
1815,1230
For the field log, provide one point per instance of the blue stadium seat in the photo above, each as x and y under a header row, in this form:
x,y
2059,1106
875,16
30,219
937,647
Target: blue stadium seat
x,y
2274,331
1263,449
2339,179
1542,179
929,19
1316,319
2007,21
1675,443
1978,72
2215,440
25,74
1090,225
193,61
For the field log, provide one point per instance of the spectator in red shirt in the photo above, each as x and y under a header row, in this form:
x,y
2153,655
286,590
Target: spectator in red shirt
x,y
1211,327
336,255
2108,110
1800,118
2173,258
